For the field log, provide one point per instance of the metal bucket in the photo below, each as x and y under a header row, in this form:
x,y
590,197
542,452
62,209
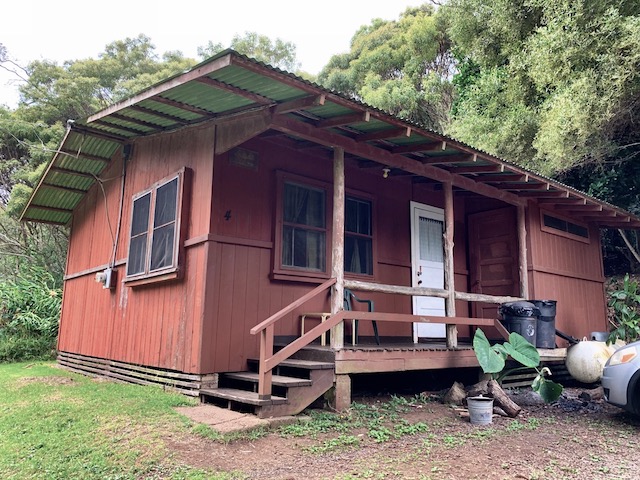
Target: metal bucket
x,y
480,410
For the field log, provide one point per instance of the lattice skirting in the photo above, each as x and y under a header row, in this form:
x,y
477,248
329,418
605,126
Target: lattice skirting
x,y
185,383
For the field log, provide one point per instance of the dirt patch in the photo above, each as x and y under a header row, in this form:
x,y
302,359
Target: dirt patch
x,y
571,439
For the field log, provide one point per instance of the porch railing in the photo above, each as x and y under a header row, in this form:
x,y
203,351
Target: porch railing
x,y
269,360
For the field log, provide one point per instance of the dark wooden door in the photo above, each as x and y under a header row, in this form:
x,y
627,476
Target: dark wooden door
x,y
493,257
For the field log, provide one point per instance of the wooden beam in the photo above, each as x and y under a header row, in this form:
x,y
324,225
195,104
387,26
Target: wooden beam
x,y
66,171
580,207
183,106
142,123
420,147
507,177
166,116
95,132
524,186
88,156
545,194
384,157
340,120
106,124
50,209
63,189
477,169
449,273
337,245
441,159
218,85
384,134
300,104
522,252
570,200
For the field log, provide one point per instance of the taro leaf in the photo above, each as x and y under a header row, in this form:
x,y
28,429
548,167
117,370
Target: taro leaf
x,y
499,348
549,390
490,361
522,351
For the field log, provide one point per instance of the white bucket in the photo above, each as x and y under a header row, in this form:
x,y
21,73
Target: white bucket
x,y
480,410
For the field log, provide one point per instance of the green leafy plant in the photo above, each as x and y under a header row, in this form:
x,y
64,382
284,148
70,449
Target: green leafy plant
x,y
492,360
624,303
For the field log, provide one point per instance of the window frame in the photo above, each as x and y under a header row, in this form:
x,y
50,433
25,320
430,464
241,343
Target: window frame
x,y
562,233
280,271
363,197
176,269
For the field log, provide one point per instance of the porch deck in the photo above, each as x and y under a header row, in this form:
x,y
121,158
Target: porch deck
x,y
398,356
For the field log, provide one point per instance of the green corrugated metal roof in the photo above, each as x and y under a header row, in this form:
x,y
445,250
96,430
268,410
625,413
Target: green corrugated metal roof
x,y
230,83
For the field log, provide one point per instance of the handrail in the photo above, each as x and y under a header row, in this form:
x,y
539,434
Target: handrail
x,y
292,306
269,360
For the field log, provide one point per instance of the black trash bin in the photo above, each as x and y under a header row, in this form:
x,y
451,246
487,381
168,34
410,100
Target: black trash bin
x,y
521,317
546,337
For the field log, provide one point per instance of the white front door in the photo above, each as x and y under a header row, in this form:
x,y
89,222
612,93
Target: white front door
x,y
427,267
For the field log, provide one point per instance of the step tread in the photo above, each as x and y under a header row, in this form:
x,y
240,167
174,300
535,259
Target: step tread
x,y
242,396
306,364
278,380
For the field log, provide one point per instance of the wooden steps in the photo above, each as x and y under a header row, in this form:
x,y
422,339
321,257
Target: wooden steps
x,y
296,383
242,396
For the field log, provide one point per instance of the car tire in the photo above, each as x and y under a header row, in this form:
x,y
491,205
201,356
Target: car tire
x,y
633,394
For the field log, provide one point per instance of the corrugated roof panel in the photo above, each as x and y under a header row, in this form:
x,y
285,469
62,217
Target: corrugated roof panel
x,y
128,126
169,110
260,84
65,200
158,120
81,164
79,142
40,215
68,180
206,97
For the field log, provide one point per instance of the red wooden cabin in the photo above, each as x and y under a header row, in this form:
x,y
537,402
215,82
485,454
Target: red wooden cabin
x,y
210,212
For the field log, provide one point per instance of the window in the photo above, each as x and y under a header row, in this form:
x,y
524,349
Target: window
x,y
358,241
155,240
559,226
304,227
303,238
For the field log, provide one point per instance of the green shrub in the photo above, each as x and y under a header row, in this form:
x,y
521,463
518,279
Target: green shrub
x,y
624,304
29,315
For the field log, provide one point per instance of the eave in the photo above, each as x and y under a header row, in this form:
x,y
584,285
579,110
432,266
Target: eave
x,y
229,85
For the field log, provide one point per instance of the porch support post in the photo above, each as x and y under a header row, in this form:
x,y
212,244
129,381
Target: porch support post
x,y
449,274
337,247
522,253
343,392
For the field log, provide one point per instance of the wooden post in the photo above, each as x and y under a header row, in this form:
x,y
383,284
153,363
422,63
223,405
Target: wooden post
x,y
522,253
337,246
449,274
343,392
264,375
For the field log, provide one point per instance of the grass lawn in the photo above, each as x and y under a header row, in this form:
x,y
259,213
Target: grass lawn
x,y
58,425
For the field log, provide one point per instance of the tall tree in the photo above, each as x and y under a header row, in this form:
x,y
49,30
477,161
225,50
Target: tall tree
x,y
556,84
276,53
402,66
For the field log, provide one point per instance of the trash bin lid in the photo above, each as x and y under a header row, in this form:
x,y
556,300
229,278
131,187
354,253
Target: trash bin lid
x,y
519,309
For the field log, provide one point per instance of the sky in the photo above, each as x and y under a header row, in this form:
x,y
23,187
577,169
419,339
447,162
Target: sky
x,y
73,29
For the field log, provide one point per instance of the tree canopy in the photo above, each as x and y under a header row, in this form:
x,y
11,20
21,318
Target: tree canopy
x,y
401,66
550,84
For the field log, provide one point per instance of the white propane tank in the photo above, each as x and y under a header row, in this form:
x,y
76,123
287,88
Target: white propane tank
x,y
585,360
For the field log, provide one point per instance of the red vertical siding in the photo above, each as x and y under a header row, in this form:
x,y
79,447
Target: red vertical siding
x,y
240,290
159,324
569,271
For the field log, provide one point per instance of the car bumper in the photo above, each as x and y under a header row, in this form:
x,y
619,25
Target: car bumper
x,y
615,382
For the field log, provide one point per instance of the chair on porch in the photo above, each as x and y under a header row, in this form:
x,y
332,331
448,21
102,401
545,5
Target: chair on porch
x,y
349,296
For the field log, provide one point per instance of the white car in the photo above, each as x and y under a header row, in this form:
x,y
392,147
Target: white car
x,y
621,378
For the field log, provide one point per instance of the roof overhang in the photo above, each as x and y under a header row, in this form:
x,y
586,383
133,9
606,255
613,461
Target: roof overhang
x,y
230,85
